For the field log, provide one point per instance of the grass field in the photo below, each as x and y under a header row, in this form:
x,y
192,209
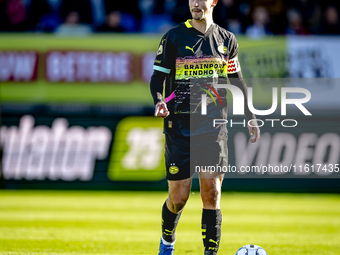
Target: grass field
x,y
65,222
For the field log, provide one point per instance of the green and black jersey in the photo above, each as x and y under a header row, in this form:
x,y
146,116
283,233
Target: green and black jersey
x,y
186,55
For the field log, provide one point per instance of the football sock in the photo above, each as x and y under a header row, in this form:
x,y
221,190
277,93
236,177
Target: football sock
x,y
169,224
211,230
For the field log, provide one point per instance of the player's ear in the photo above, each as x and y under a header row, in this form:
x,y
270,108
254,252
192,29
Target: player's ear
x,y
214,3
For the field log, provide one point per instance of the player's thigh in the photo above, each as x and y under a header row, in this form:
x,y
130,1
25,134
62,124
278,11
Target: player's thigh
x,y
177,158
211,154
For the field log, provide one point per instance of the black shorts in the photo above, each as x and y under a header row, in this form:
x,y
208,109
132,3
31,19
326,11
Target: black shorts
x,y
185,156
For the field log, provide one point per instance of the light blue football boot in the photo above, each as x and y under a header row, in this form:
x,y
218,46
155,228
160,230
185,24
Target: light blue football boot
x,y
165,249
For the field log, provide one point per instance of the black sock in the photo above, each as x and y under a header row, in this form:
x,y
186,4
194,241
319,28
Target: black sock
x,y
211,230
169,224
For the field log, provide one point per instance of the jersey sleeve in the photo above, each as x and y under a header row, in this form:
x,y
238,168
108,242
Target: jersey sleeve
x,y
166,54
233,63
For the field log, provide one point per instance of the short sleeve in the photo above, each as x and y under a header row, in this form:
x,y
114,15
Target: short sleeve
x,y
166,54
233,63
233,47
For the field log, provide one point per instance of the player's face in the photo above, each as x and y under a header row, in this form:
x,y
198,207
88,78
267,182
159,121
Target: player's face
x,y
201,9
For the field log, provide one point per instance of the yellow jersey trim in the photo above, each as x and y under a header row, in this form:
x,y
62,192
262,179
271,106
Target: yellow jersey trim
x,y
187,23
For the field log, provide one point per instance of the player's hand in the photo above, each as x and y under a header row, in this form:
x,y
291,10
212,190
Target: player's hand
x,y
161,110
254,131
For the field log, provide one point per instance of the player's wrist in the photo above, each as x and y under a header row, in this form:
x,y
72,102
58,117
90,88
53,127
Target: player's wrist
x,y
251,117
160,104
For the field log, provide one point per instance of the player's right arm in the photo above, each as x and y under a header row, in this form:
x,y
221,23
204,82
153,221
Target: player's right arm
x,y
163,65
156,88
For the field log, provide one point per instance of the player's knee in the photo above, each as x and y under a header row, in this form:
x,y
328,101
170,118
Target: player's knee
x,y
178,203
179,206
211,198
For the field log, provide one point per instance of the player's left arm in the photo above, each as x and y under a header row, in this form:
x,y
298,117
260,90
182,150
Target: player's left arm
x,y
236,79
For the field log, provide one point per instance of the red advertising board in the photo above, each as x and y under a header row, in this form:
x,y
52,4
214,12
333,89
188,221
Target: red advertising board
x,y
18,66
75,66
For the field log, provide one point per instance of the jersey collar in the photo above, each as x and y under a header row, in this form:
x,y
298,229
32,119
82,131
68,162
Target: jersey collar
x,y
188,25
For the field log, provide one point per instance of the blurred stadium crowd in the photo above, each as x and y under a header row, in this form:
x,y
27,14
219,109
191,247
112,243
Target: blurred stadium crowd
x,y
255,18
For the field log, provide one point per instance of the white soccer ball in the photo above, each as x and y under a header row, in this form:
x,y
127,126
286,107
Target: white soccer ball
x,y
251,249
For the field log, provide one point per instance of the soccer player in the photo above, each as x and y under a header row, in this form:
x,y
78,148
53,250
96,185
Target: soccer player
x,y
196,49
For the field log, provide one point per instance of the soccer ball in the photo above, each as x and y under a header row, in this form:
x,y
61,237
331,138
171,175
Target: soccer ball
x,y
251,249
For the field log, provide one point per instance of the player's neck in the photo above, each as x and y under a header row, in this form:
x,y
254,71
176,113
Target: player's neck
x,y
202,25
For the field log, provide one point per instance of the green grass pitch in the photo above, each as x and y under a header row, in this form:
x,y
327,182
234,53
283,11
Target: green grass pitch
x,y
97,222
